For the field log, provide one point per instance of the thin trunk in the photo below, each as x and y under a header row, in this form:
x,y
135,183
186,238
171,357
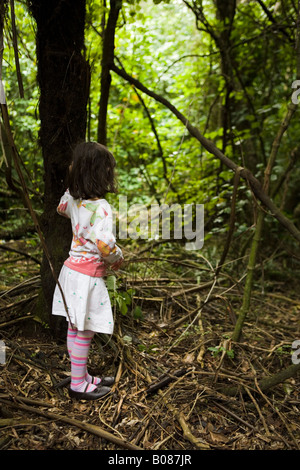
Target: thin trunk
x,y
106,63
249,279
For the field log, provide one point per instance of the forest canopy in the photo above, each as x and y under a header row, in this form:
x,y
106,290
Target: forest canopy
x,y
198,102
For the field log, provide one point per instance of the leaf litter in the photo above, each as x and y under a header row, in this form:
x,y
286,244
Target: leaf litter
x,y
180,382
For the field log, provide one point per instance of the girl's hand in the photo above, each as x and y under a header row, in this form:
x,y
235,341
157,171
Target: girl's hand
x,y
61,209
115,266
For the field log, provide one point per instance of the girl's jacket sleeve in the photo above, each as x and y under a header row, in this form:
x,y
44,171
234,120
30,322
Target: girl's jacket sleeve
x,y
64,206
104,239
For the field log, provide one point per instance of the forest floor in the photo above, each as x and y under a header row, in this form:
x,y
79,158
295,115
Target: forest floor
x,y
181,384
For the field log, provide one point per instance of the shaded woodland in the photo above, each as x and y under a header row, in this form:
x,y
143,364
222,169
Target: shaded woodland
x,y
198,101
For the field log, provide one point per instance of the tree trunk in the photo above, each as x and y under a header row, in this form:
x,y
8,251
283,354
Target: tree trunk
x,y
106,63
64,77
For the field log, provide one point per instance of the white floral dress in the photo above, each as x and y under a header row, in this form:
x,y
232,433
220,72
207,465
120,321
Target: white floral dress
x,y
81,278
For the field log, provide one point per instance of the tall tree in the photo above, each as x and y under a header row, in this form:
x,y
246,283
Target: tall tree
x,y
63,77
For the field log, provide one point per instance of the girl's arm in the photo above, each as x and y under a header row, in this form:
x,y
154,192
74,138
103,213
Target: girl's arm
x,y
104,238
63,207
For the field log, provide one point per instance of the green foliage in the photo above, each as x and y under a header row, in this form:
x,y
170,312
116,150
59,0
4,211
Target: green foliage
x,y
23,112
217,350
171,50
123,300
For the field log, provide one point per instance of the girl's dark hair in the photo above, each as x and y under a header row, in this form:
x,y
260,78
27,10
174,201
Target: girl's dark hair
x,y
92,171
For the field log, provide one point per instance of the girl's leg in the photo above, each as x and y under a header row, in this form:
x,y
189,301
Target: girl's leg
x,y
92,380
79,356
71,336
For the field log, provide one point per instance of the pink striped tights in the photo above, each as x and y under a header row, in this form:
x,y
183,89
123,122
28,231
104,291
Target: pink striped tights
x,y
78,344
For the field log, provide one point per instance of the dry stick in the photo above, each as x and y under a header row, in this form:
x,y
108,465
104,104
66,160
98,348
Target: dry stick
x,y
197,442
199,309
191,289
283,298
259,412
164,381
141,432
231,221
201,334
91,428
235,416
226,346
186,430
27,199
16,320
211,148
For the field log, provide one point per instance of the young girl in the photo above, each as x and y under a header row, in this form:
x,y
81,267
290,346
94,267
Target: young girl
x,y
93,248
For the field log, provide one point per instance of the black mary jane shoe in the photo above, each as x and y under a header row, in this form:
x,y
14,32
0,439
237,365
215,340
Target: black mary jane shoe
x,y
99,392
107,381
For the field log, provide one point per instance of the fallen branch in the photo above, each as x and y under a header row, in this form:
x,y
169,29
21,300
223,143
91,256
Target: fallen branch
x,y
165,380
19,288
268,382
17,304
192,289
16,320
20,252
91,428
198,443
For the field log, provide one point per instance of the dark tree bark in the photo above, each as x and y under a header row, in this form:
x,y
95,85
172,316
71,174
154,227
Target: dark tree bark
x,y
63,76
